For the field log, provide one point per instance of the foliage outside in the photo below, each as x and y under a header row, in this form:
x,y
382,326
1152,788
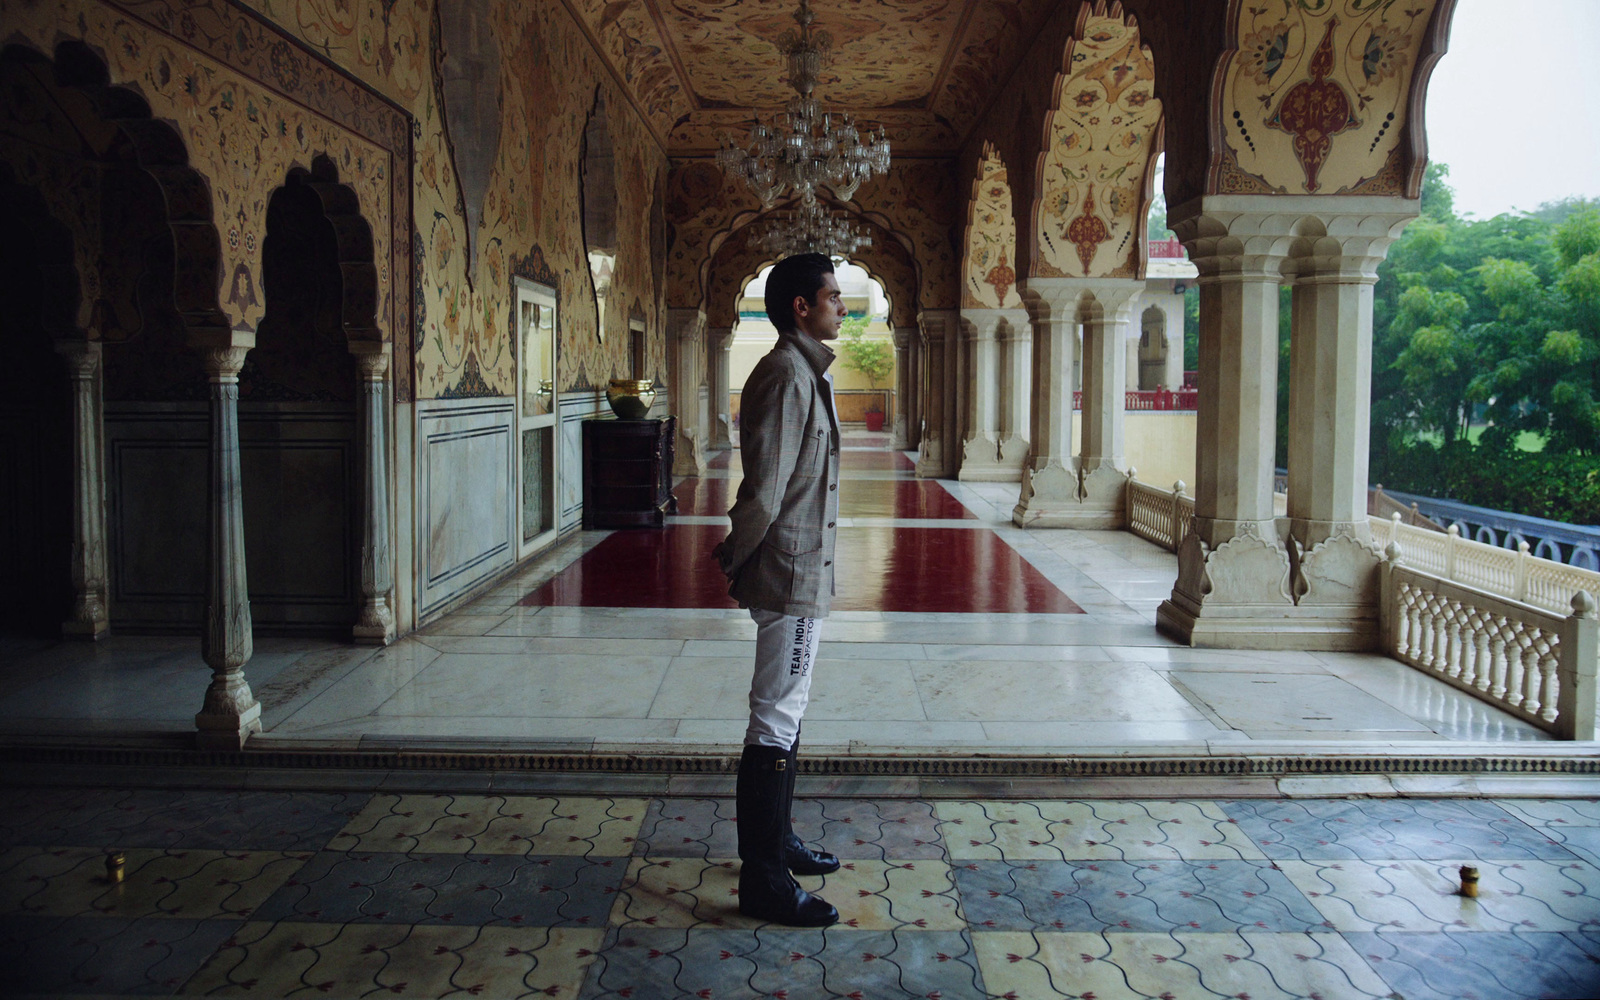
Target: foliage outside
x,y
872,358
1490,326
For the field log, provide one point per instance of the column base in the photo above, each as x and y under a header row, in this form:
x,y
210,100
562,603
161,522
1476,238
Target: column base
x,y
375,626
91,631
1014,455
688,457
930,463
898,439
1338,576
227,730
1238,596
980,461
1057,497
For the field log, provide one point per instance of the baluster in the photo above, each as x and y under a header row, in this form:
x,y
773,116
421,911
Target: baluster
x,y
1441,634
1531,676
1407,622
1483,662
1472,622
1515,651
1497,669
1452,664
1453,533
1550,672
1425,653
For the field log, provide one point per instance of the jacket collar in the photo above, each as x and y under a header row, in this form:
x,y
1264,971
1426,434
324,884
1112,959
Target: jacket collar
x,y
816,353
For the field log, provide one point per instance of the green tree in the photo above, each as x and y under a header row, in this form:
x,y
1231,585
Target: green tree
x,y
872,358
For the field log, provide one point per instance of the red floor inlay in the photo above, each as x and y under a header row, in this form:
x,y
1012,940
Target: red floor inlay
x,y
952,570
850,458
908,498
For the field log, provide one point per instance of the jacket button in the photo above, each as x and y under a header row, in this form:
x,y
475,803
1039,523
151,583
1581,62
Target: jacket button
x,y
832,487
828,563
830,524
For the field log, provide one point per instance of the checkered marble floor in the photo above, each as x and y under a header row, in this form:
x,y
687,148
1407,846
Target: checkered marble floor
x,y
271,894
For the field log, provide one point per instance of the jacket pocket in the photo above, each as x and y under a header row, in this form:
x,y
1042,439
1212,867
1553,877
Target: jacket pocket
x,y
793,541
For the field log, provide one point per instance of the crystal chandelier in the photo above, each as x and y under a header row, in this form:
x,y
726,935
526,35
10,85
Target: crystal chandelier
x,y
803,146
808,229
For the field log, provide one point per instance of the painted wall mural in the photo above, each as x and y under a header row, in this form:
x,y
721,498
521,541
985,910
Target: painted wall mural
x,y
1101,139
1314,100
989,275
530,205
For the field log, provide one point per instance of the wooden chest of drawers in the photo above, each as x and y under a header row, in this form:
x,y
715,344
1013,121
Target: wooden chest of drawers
x,y
627,473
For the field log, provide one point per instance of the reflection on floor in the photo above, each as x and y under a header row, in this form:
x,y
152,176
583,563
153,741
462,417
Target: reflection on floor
x,y
955,632
273,894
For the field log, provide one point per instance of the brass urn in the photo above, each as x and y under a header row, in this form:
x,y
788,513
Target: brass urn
x,y
630,398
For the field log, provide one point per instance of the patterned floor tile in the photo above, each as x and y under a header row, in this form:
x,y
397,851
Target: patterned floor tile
x,y
199,885
1209,896
681,892
1553,812
1422,896
490,889
493,824
1091,830
1390,828
104,954
667,964
269,960
1480,966
1190,965
867,829
885,895
198,819
688,828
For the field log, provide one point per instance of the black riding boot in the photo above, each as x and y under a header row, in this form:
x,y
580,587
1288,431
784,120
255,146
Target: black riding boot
x,y
801,859
766,889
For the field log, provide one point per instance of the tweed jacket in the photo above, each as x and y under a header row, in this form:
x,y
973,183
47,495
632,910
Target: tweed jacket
x,y
779,554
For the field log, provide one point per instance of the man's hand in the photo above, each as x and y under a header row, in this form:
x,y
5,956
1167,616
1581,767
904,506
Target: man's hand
x,y
724,557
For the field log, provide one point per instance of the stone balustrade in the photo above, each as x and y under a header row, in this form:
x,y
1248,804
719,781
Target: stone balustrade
x,y
1515,630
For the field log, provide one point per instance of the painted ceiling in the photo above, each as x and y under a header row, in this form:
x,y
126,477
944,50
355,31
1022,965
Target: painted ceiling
x,y
925,69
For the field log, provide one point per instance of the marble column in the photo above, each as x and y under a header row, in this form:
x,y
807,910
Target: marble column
x,y
685,335
89,618
900,431
720,345
1130,352
1173,377
1016,376
230,713
375,621
1101,465
938,396
1052,494
1233,572
1334,560
980,451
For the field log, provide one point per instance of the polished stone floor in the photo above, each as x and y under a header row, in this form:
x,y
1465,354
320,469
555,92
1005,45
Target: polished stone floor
x,y
956,632
275,894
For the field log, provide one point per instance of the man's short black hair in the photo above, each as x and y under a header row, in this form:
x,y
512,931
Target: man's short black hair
x,y
800,275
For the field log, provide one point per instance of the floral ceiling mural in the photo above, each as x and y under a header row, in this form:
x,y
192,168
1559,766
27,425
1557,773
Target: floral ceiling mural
x,y
1101,140
988,275
1315,97
925,69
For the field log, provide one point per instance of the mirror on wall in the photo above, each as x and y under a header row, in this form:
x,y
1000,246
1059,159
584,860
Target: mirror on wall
x,y
599,194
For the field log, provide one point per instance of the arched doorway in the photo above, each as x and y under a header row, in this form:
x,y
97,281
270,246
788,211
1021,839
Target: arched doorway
x,y
1153,349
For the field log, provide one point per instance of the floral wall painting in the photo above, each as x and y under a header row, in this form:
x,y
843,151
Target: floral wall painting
x,y
1101,138
989,277
469,90
1315,97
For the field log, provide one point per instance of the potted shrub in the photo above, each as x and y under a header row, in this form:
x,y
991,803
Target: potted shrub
x,y
872,358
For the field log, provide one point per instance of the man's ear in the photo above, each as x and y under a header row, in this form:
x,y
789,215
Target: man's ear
x,y
801,306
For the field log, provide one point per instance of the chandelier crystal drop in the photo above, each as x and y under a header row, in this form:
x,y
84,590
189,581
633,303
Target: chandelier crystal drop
x,y
803,146
811,228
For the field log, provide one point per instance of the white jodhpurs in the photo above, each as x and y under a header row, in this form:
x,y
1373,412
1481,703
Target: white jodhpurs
x,y
786,647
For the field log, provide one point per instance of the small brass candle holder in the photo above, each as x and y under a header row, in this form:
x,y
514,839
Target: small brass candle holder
x,y
114,866
1469,881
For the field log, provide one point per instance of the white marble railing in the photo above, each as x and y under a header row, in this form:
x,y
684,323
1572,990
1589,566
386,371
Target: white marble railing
x,y
1512,573
1515,630
1528,661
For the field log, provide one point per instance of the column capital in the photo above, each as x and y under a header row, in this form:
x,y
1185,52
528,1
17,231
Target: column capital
x,y
1243,237
1080,300
1015,325
686,323
372,359
720,337
82,356
980,324
936,324
903,336
222,364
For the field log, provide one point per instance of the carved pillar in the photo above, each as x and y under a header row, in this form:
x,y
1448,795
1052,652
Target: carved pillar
x,y
980,451
1102,467
903,378
685,334
1052,493
1335,562
938,395
1016,384
230,713
720,345
1173,377
1233,572
375,622
1130,355
89,618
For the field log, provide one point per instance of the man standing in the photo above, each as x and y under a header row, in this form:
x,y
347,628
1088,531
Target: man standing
x,y
778,558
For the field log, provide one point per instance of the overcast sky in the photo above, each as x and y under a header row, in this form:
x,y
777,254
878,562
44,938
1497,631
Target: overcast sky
x,y
1514,105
